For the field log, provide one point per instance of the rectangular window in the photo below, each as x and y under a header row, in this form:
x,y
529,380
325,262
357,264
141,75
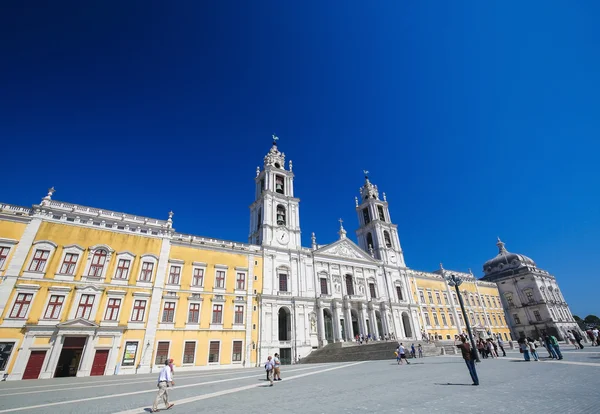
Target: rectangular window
x,y
366,216
399,292
213,351
372,290
435,318
237,351
21,305
427,320
3,255
460,318
146,273
168,312
198,277
174,275
438,298
220,279
494,319
324,290
189,350
5,351
98,262
430,297
84,310
162,353
240,282
194,313
529,294
54,307
112,309
139,308
444,321
283,285
516,318
494,302
217,316
239,315
421,296
451,319
488,301
454,299
509,300
38,263
380,213
446,299
69,263
122,269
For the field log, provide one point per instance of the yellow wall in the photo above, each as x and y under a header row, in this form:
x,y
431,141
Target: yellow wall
x,y
10,230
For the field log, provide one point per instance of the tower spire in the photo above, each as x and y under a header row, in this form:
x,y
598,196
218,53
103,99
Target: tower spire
x,y
342,231
501,248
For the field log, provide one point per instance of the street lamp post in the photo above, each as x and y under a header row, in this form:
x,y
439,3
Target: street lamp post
x,y
456,281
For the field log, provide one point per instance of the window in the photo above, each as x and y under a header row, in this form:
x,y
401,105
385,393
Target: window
x,y
162,353
239,315
460,318
529,295
444,321
281,215
472,317
112,309
477,300
487,317
98,262
488,301
446,299
552,313
516,318
494,302
220,279
84,309
454,299
21,305
3,255
372,290
174,274
122,269
279,184
54,307
366,217
168,312
494,319
198,277
139,308
213,351
435,318
382,217
386,238
5,351
451,319
349,285
430,297
259,221
427,320
68,264
509,300
283,282
324,290
399,292
421,296
38,263
240,282
189,350
237,351
369,240
194,313
500,320
217,316
146,273
438,298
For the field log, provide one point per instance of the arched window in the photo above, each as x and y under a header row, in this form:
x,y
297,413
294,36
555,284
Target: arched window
x,y
98,261
369,240
349,285
386,237
279,184
259,219
380,213
281,215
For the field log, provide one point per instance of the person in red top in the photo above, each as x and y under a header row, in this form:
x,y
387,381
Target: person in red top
x,y
465,349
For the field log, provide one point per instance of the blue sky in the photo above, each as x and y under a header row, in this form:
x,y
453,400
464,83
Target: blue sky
x,y
477,120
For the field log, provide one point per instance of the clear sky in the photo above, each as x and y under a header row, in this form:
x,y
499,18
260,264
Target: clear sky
x,y
478,120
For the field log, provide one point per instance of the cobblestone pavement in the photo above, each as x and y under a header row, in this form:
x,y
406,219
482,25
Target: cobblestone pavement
x,y
436,384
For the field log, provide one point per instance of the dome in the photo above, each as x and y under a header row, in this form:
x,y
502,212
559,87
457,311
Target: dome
x,y
506,259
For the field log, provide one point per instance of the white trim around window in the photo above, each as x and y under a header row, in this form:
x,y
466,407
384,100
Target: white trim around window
x,y
90,256
113,294
239,270
7,244
23,288
198,266
145,296
193,325
54,291
239,326
208,353
70,271
40,245
242,352
174,264
189,364
147,258
87,290
165,299
220,268
126,255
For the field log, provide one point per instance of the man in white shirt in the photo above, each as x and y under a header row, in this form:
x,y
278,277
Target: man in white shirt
x,y
277,368
269,367
164,378
402,354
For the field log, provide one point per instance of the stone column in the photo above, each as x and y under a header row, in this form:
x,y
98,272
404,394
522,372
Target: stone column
x,y
87,357
374,324
402,333
349,330
321,322
52,360
337,332
384,321
362,313
111,364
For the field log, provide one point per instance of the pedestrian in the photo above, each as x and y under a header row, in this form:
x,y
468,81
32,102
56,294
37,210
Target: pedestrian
x,y
532,349
481,349
402,354
595,332
420,351
413,353
555,346
269,367
524,348
276,367
551,353
491,350
467,355
572,339
501,346
578,338
164,379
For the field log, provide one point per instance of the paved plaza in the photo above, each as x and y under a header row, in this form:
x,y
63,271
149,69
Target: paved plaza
x,y
434,384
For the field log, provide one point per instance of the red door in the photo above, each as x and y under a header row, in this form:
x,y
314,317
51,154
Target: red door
x,y
99,364
34,365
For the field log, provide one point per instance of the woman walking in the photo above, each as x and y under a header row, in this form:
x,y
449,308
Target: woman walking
x,y
532,347
524,348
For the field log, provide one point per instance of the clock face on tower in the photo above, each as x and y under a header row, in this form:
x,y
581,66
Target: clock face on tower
x,y
392,257
282,236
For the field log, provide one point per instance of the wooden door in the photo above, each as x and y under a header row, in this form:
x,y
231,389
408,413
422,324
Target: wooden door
x,y
99,364
34,365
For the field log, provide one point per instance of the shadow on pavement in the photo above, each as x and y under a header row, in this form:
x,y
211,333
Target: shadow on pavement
x,y
449,383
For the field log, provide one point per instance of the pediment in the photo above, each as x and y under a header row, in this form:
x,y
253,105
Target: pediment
x,y
77,323
344,248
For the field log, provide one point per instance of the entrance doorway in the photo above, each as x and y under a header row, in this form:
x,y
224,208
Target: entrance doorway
x,y
99,364
328,319
406,323
34,365
285,325
355,329
343,329
285,356
70,356
379,324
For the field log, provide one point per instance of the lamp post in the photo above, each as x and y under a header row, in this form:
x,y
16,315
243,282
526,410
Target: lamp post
x,y
455,282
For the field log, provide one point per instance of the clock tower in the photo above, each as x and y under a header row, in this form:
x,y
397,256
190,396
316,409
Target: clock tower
x,y
274,214
376,233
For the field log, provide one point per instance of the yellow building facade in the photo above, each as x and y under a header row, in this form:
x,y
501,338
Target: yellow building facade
x,y
440,314
86,291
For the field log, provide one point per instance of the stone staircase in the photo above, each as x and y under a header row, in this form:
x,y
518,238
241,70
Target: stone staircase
x,y
376,350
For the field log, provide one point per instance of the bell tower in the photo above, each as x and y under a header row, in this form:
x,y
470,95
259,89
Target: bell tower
x,y
274,214
376,232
